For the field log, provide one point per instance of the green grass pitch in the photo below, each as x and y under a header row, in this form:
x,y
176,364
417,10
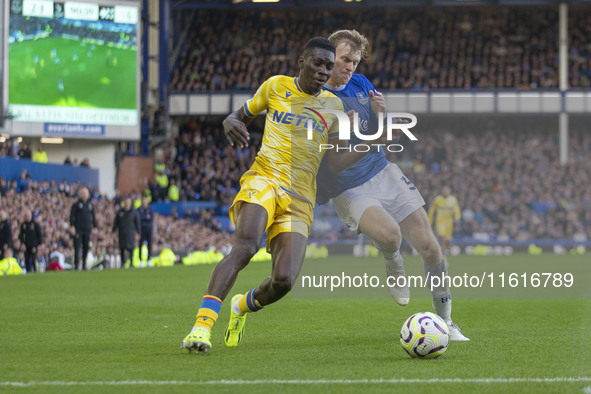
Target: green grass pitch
x,y
120,331
88,81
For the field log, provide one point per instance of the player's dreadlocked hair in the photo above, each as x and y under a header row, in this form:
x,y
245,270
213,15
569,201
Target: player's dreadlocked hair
x,y
357,41
318,42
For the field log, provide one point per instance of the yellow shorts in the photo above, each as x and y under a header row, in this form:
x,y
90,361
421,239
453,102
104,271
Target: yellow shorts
x,y
285,212
444,230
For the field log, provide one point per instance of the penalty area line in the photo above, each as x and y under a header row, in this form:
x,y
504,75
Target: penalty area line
x,y
224,382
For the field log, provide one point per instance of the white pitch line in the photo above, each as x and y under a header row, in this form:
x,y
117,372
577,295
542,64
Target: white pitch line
x,y
298,382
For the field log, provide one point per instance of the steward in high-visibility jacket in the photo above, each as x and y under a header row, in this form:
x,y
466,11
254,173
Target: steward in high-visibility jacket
x,y
40,156
9,265
167,258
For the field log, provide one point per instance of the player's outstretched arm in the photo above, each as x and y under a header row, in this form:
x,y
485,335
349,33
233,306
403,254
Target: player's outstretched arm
x,y
235,128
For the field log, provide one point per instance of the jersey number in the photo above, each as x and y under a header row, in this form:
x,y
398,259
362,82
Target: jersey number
x,y
410,185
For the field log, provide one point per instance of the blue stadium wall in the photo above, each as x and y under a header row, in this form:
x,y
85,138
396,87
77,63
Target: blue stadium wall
x,y
11,169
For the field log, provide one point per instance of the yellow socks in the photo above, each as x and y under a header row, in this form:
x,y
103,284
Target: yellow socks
x,y
247,303
208,312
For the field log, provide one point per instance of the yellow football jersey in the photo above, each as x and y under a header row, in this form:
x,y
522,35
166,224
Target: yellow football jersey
x,y
445,209
288,154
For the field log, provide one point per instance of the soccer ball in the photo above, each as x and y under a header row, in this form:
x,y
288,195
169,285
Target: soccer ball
x,y
424,335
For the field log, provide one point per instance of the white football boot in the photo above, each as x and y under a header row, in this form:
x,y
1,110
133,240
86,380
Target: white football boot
x,y
455,334
395,269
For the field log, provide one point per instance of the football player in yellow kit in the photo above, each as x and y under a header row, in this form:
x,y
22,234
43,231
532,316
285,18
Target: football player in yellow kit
x,y
446,210
278,191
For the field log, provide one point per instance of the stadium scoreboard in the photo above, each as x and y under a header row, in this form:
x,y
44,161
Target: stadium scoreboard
x,y
80,11
71,68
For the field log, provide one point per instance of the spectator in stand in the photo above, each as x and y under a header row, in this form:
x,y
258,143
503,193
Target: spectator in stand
x,y
195,215
85,163
64,187
154,190
4,187
7,148
22,185
40,156
31,237
68,161
210,222
24,152
52,189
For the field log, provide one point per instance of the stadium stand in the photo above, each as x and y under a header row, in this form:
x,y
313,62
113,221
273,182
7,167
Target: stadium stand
x,y
50,203
419,48
509,184
579,49
209,168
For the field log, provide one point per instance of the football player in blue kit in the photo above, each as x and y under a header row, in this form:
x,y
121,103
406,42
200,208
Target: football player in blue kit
x,y
374,197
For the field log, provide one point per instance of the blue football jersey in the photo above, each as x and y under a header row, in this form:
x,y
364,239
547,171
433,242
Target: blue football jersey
x,y
355,96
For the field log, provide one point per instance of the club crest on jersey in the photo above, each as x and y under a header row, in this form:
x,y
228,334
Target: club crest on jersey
x,y
362,98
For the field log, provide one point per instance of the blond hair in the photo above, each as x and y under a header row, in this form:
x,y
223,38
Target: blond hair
x,y
357,41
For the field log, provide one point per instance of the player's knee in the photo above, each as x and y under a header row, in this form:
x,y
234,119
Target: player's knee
x,y
390,237
245,249
431,251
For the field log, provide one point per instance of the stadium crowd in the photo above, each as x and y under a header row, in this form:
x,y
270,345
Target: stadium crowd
x,y
509,184
208,168
51,202
12,148
413,47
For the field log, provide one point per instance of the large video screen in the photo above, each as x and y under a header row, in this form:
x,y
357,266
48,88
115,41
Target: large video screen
x,y
73,68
